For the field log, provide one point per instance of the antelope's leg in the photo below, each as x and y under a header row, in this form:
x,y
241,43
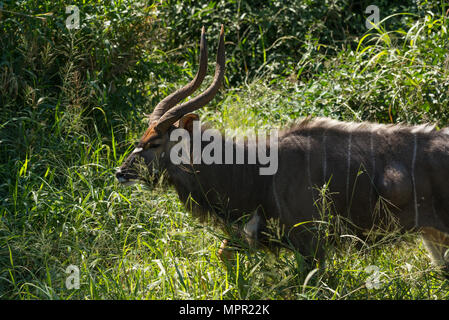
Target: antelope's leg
x,y
224,253
437,243
251,230
223,245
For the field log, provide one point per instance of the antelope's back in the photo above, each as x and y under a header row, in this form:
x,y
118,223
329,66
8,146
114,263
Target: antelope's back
x,y
370,173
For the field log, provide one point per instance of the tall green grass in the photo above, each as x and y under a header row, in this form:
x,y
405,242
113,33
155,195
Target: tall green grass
x,y
71,108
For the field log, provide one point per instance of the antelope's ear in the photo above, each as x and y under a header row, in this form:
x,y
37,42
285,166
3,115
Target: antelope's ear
x,y
186,122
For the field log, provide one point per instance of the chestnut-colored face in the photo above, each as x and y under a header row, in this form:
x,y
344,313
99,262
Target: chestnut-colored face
x,y
152,152
151,149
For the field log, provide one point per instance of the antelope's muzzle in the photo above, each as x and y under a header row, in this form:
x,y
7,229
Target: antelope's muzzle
x,y
126,174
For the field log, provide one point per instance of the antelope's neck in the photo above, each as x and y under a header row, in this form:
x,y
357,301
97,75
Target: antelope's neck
x,y
221,183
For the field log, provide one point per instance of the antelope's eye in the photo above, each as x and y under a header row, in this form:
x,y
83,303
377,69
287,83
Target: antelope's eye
x,y
151,145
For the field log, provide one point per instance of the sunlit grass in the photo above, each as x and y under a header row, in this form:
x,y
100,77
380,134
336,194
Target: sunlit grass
x,y
62,135
137,243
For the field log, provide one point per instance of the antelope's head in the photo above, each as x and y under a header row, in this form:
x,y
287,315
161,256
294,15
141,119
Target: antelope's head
x,y
153,148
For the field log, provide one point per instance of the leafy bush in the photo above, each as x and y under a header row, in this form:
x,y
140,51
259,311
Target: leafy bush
x,y
265,38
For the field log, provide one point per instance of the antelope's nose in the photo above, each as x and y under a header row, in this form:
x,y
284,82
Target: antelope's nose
x,y
124,177
120,176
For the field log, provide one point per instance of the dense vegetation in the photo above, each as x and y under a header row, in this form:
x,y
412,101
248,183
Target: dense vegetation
x,y
72,103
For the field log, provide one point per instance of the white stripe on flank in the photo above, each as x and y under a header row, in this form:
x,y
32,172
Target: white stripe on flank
x,y
275,196
309,179
324,157
415,147
373,164
349,167
433,207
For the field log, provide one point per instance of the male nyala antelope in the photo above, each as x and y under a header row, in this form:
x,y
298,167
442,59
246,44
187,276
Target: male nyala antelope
x,y
373,172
